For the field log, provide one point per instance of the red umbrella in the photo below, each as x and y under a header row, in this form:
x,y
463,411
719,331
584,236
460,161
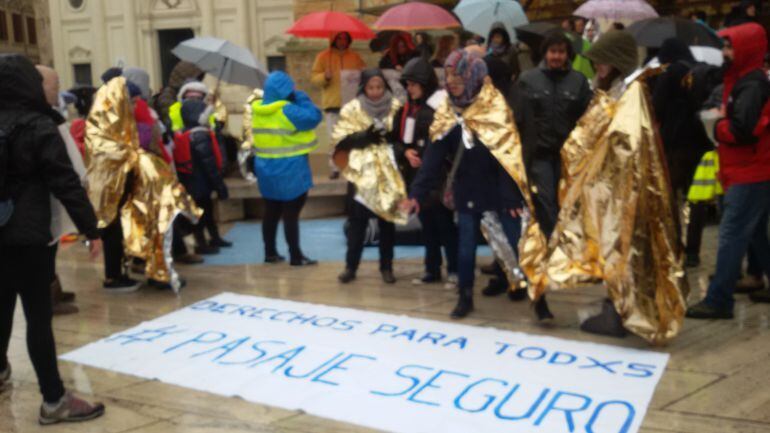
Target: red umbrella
x,y
326,24
416,16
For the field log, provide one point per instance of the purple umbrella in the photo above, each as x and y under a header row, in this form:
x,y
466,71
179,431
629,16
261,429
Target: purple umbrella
x,y
616,10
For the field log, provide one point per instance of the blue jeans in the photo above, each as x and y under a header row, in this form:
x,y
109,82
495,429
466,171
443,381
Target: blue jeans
x,y
468,224
743,226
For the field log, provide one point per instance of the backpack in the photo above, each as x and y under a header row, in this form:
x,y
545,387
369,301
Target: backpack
x,y
183,153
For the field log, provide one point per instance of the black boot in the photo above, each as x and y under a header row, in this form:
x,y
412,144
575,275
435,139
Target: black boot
x,y
608,322
495,287
542,311
517,295
464,304
388,277
221,243
347,276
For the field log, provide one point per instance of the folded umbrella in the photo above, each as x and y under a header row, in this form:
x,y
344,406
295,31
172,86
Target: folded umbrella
x,y
222,59
652,32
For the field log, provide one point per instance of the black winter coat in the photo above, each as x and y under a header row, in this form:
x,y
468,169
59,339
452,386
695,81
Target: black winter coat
x,y
547,104
480,183
38,163
206,176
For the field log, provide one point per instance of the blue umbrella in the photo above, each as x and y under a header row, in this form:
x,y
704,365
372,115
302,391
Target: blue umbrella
x,y
478,16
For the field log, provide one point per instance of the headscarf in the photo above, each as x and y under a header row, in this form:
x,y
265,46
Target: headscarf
x,y
470,65
375,109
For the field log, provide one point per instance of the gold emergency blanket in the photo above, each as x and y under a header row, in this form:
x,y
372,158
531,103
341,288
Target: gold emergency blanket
x,y
155,198
490,119
617,219
247,144
373,170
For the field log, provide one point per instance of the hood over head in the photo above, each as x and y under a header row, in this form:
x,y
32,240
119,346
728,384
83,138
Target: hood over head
x,y
675,50
616,48
195,113
749,43
111,73
278,87
194,86
334,37
404,37
21,87
498,28
420,71
368,74
470,65
140,78
183,72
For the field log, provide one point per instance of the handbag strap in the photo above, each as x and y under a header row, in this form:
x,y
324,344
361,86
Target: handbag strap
x,y
455,164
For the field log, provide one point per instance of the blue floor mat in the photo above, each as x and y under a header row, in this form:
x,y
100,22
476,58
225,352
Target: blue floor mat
x,y
321,239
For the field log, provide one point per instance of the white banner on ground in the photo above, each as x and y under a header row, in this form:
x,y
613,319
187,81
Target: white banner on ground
x,y
387,372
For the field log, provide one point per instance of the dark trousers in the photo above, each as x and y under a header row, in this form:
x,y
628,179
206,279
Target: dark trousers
x,y
468,224
754,267
698,217
206,221
27,272
545,174
439,230
182,227
743,226
288,211
358,220
114,256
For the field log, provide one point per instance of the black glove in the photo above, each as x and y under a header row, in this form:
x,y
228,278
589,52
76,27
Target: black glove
x,y
375,135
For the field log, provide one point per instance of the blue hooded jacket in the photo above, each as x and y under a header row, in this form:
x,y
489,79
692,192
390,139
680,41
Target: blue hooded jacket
x,y
285,179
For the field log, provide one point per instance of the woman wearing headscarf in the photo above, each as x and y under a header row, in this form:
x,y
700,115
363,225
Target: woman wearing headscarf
x,y
474,128
411,129
364,154
401,50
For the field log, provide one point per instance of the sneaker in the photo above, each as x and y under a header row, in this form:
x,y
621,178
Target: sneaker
x,y
749,283
5,375
304,261
346,276
220,243
275,258
206,250
701,310
69,409
122,285
762,296
388,277
189,259
426,279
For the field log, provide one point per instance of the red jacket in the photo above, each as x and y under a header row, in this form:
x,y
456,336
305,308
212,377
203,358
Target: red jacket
x,y
744,135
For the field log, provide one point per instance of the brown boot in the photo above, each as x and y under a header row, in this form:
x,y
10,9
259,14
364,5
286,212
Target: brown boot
x,y
60,308
59,294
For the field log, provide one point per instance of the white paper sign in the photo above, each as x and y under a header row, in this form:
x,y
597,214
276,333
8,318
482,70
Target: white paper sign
x,y
387,372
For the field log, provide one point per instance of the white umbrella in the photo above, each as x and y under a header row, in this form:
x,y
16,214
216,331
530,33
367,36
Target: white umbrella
x,y
710,55
478,16
222,59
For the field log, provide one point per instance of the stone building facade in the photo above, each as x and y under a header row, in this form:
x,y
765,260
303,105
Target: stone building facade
x,y
90,36
25,29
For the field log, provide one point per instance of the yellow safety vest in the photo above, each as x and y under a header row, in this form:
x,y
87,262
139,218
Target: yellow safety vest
x,y
274,136
705,185
177,123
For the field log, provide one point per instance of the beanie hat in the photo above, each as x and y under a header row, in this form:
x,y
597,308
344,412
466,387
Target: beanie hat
x,y
110,74
616,48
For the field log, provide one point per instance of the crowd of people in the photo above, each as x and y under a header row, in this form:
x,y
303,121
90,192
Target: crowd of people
x,y
479,151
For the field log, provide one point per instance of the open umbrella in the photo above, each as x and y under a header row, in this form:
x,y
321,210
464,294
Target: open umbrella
x,y
533,33
222,59
478,16
327,23
416,16
616,10
652,32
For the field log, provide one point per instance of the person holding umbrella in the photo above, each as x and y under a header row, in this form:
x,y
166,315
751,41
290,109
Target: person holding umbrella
x,y
327,67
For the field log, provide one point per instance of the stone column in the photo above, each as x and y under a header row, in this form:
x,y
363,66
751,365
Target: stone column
x,y
130,32
207,17
101,56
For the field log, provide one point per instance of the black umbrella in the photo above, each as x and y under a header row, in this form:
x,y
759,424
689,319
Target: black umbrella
x,y
533,33
652,32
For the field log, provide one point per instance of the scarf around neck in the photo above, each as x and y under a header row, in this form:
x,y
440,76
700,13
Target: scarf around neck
x,y
377,109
